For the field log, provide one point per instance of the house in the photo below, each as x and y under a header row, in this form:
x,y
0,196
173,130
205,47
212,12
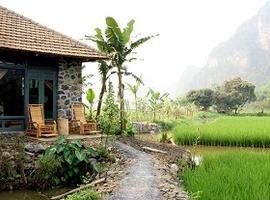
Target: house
x,y
38,65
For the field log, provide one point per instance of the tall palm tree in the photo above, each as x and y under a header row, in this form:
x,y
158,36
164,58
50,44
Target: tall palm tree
x,y
117,44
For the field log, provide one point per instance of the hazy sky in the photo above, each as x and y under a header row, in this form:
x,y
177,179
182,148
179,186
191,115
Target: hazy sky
x,y
188,29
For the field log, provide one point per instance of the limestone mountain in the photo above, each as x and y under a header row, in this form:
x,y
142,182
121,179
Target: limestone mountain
x,y
245,54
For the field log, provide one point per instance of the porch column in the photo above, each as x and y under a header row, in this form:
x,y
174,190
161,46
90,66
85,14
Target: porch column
x,y
69,86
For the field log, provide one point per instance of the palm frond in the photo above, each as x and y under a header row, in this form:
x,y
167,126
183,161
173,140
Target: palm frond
x,y
127,31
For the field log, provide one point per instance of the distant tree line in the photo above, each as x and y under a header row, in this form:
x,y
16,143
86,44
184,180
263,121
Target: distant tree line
x,y
230,96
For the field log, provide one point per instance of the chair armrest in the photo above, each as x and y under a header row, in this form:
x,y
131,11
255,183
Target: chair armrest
x,y
91,122
50,121
74,120
33,124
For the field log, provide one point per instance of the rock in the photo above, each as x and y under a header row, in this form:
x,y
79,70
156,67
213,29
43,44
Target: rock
x,y
34,148
6,155
174,168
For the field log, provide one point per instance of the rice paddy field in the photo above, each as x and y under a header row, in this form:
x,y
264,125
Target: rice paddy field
x,y
238,175
244,131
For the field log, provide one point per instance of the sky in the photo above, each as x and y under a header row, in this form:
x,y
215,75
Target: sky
x,y
188,30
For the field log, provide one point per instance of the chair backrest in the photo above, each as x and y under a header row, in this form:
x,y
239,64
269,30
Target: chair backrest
x,y
78,112
36,113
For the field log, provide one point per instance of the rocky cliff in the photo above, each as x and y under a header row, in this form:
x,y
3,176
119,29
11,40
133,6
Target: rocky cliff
x,y
245,54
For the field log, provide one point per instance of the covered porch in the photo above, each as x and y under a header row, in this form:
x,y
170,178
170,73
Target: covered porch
x,y
38,66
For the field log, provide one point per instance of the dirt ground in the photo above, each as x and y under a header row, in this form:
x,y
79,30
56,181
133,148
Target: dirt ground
x,y
173,152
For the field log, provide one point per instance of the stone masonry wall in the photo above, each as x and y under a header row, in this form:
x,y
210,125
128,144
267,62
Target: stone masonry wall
x,y
69,86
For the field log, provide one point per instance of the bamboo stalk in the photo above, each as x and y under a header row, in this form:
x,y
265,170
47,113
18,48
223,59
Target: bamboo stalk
x,y
78,189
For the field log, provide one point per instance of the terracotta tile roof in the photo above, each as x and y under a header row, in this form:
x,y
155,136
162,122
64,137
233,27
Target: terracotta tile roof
x,y
20,33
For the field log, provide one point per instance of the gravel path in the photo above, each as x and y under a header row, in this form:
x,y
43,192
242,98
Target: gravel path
x,y
141,182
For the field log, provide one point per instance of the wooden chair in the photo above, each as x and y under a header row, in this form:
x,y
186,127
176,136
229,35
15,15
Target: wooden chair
x,y
78,123
37,125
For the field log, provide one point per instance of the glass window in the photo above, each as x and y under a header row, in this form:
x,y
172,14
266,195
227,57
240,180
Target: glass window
x,y
11,92
34,91
48,98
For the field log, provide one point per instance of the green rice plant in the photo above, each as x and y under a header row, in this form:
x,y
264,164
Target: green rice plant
x,y
88,194
236,175
226,131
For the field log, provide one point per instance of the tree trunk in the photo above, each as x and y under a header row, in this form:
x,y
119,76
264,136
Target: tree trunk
x,y
101,94
136,106
121,100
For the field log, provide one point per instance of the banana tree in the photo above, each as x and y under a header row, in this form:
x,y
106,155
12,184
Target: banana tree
x,y
90,96
104,72
117,44
156,100
134,90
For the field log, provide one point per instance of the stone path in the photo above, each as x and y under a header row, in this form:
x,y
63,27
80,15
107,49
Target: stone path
x,y
141,182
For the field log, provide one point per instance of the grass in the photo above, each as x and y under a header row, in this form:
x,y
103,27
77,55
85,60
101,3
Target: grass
x,y
234,175
87,194
225,131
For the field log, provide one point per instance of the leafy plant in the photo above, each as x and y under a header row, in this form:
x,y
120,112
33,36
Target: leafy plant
x,y
134,90
108,121
117,44
47,171
76,160
90,96
165,138
131,131
88,194
156,100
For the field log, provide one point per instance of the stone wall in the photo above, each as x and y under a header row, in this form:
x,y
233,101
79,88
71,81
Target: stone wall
x,y
145,127
69,86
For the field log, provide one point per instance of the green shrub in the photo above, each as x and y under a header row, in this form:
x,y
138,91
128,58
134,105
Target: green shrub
x,y
109,121
88,194
166,125
76,160
105,155
130,130
165,138
47,171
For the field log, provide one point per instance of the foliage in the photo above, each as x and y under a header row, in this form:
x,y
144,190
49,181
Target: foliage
x,y
233,95
12,168
117,44
155,100
165,138
104,67
85,79
46,173
134,90
108,121
76,160
203,98
225,131
167,125
231,176
88,194
131,131
90,96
